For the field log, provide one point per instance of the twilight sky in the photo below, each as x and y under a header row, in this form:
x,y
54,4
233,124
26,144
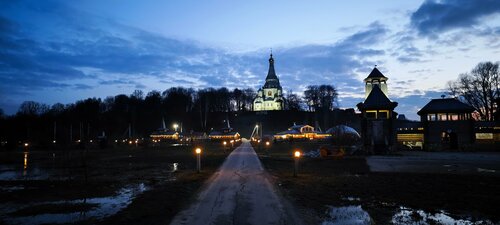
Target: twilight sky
x,y
62,51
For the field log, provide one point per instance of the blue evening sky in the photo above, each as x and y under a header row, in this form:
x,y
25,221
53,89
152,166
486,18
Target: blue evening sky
x,y
62,51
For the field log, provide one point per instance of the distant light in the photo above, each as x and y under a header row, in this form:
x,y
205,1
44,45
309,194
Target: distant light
x,y
257,126
130,142
224,142
26,144
198,150
232,141
267,143
54,141
297,154
91,141
116,141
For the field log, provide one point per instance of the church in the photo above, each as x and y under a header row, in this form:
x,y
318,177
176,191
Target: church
x,y
270,96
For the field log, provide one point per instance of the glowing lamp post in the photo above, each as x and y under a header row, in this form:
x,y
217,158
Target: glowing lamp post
x,y
176,126
198,160
296,156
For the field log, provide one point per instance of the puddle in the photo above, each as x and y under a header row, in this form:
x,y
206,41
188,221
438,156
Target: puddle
x,y
174,167
354,215
351,199
13,173
11,188
107,206
420,217
485,170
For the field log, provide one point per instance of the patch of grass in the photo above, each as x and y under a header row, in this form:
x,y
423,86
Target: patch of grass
x,y
329,181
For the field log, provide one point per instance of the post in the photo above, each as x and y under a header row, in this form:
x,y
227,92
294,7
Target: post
x,y
198,160
296,159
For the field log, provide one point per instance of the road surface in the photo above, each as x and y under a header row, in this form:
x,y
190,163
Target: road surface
x,y
239,193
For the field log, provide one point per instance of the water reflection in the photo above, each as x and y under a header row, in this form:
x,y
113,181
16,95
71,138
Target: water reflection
x,y
106,206
25,167
355,214
347,215
411,216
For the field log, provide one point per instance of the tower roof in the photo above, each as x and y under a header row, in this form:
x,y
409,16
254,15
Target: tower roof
x,y
272,80
377,100
375,74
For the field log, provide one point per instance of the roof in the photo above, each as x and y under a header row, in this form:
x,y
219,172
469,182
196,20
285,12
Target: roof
x,y
299,126
375,74
446,105
377,100
220,133
342,130
288,132
272,80
165,132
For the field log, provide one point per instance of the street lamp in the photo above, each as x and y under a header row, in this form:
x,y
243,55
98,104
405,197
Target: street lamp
x,y
198,161
224,143
176,126
296,156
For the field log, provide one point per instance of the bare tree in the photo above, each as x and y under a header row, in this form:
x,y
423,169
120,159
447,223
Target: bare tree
x,y
479,88
293,101
320,97
32,108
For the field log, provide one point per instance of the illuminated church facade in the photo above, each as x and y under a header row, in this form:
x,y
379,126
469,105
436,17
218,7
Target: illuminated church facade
x,y
270,96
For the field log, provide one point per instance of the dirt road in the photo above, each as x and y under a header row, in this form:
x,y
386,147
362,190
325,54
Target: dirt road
x,y
239,193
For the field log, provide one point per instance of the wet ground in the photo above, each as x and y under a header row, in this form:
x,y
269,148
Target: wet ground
x,y
110,186
480,163
349,190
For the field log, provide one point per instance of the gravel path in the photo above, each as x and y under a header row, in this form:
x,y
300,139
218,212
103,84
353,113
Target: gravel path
x,y
241,192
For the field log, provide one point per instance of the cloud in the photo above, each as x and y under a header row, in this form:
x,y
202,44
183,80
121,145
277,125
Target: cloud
x,y
73,53
434,17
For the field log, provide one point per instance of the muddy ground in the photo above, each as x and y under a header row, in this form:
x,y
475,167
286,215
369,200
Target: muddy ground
x,y
324,183
120,185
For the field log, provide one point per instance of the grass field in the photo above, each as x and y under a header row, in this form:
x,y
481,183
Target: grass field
x,y
121,185
342,182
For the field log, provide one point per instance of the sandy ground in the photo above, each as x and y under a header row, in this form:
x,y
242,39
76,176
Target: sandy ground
x,y
241,192
437,162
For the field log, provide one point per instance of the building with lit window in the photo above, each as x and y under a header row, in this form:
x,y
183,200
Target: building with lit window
x,y
270,96
301,132
447,124
378,116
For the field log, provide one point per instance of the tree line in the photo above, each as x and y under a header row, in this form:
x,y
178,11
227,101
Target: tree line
x,y
479,88
142,113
